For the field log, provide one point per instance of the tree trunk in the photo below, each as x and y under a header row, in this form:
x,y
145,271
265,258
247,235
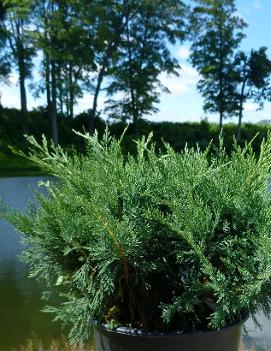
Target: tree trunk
x,y
71,89
109,52
221,63
54,124
135,111
22,77
47,82
92,116
60,88
221,109
18,51
1,108
51,110
220,120
241,108
240,121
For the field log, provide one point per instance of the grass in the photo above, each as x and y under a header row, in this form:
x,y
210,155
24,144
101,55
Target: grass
x,y
34,344
16,166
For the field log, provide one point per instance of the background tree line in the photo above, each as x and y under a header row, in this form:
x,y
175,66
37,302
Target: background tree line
x,y
119,48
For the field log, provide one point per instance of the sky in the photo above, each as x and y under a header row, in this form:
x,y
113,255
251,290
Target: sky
x,y
184,103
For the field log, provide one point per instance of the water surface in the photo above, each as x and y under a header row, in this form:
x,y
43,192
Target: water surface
x,y
20,297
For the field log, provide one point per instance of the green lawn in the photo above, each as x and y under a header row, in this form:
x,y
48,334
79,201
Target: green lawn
x,y
16,166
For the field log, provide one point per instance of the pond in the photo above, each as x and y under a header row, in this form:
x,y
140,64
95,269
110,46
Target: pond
x,y
20,297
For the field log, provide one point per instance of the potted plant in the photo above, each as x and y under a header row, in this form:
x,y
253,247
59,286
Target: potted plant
x,y
159,250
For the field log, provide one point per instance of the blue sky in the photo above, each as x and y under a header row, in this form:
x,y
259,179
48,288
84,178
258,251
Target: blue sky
x,y
184,103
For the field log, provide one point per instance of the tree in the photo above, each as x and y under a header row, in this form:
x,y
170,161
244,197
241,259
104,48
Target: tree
x,y
65,36
4,61
252,73
4,73
63,43
143,55
18,29
216,32
45,41
69,89
69,45
105,21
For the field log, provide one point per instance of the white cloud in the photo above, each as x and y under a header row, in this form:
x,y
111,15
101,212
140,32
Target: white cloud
x,y
85,103
248,8
10,97
267,108
253,115
250,107
13,78
178,86
178,115
183,52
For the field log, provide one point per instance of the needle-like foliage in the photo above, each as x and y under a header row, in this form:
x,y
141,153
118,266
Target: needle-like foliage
x,y
156,241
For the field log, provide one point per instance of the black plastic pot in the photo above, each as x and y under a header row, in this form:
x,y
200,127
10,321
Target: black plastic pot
x,y
124,339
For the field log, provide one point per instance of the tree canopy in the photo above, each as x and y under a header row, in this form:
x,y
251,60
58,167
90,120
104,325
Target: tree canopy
x,y
116,51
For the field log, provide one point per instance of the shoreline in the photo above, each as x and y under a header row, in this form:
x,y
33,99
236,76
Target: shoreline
x,y
16,166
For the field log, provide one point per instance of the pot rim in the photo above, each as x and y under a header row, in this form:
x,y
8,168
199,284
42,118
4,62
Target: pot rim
x,y
141,332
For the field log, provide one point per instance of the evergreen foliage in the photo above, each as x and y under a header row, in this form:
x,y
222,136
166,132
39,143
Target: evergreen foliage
x,y
157,241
